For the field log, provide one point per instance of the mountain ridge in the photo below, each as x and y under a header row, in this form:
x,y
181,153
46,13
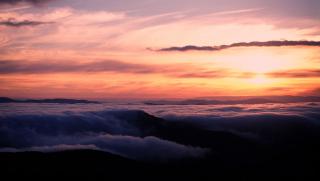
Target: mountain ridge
x,y
55,100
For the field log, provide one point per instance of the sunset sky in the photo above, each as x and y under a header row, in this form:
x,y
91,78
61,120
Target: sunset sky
x,y
140,48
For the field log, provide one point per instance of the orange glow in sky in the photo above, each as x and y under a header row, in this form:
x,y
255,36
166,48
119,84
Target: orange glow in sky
x,y
78,51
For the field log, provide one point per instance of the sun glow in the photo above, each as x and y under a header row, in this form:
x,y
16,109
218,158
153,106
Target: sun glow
x,y
260,79
263,60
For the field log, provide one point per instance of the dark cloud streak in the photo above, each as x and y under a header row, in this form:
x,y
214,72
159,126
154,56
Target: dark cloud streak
x,y
241,44
42,67
10,67
303,73
23,1
14,23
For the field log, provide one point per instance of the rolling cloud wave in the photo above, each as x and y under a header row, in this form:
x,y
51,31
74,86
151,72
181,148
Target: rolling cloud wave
x,y
138,135
121,132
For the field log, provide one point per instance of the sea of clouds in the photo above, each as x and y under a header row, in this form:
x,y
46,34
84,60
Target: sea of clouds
x,y
159,133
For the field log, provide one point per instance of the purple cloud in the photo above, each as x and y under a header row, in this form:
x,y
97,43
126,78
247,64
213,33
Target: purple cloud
x,y
303,73
241,44
15,23
18,1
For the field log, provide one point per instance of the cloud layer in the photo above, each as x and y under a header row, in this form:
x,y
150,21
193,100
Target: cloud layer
x,y
303,73
14,23
19,1
8,66
232,131
242,44
53,67
118,132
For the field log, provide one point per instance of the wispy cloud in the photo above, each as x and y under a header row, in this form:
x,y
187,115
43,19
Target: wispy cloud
x,y
8,67
239,11
28,67
301,73
15,23
21,1
12,9
242,44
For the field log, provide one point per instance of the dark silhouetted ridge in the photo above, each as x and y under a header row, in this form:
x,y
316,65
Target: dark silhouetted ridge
x,y
59,101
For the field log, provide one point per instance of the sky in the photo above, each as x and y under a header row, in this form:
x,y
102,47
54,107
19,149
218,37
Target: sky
x,y
159,48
